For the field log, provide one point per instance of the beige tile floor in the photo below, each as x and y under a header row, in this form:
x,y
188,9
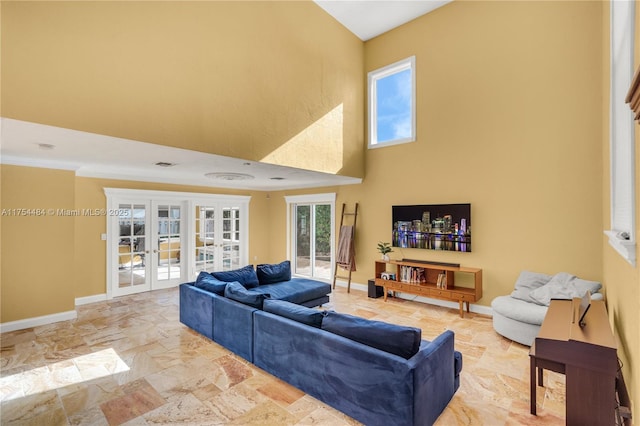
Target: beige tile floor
x,y
130,361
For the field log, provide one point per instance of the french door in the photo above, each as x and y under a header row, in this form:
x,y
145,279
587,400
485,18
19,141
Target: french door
x,y
220,232
159,239
149,246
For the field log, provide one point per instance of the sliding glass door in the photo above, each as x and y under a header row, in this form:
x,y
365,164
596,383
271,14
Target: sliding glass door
x,y
312,236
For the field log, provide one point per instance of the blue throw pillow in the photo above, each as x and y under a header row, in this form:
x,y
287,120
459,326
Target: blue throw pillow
x,y
245,276
207,282
237,292
396,339
274,273
294,312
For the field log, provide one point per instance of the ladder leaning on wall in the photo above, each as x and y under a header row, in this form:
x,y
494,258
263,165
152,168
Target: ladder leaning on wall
x,y
346,255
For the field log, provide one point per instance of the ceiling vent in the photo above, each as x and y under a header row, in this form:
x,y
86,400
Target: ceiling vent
x,y
229,176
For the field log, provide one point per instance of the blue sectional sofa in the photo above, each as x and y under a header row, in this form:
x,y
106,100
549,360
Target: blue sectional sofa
x,y
375,372
209,305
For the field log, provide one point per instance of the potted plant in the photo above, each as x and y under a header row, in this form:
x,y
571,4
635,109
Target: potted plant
x,y
384,249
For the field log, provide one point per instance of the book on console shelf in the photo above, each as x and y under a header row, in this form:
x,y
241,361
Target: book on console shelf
x,y
442,280
412,274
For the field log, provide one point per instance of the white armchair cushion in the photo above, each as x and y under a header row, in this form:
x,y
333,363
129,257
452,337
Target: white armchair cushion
x,y
526,283
563,286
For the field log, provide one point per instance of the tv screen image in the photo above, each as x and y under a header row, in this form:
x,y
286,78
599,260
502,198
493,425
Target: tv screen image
x,y
432,227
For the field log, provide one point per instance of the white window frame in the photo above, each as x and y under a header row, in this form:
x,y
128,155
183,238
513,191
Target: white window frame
x,y
372,80
207,231
235,230
240,203
622,235
292,201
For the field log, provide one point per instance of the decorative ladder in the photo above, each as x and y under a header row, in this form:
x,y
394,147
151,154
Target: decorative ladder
x,y
345,258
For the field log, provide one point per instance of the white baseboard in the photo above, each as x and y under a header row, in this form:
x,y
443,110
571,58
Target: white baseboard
x,y
90,299
50,319
478,309
355,286
37,321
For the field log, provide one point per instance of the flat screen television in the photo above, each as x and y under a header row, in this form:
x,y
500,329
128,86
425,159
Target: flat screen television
x,y
432,227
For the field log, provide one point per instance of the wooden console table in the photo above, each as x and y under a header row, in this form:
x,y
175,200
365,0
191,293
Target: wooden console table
x,y
586,355
427,286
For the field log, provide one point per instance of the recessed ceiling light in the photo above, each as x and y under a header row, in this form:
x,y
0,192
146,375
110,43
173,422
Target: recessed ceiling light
x,y
164,164
46,146
229,176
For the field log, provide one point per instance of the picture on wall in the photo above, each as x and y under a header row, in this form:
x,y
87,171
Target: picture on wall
x,y
432,227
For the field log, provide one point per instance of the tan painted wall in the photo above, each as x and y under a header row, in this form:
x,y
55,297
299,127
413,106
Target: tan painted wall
x,y
622,280
508,119
37,247
260,80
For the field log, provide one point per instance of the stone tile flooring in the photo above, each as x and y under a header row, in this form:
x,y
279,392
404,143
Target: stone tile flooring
x,y
130,361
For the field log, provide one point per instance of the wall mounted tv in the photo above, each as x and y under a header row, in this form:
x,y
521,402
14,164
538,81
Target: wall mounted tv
x,y
432,226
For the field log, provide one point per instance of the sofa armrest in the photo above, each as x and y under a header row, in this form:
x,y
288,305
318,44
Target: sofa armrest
x,y
196,309
233,326
434,377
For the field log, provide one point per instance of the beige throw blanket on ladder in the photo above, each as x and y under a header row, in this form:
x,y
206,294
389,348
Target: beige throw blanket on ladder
x,y
346,256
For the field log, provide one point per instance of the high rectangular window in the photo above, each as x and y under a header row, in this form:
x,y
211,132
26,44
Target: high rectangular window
x,y
622,235
392,105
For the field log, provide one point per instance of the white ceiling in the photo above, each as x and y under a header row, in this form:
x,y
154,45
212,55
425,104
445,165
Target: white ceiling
x,y
370,18
93,155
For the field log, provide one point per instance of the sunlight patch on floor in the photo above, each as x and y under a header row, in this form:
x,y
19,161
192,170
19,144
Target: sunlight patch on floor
x,y
60,374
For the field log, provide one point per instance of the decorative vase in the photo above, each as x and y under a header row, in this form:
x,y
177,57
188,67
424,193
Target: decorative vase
x,y
385,257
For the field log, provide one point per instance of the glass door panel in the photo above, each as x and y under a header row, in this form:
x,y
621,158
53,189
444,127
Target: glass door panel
x,y
303,240
167,266
218,238
322,236
230,238
205,239
132,269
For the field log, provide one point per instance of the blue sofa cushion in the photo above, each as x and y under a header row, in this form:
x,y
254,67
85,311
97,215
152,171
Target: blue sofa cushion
x,y
294,312
236,291
298,290
207,282
245,276
396,339
274,273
